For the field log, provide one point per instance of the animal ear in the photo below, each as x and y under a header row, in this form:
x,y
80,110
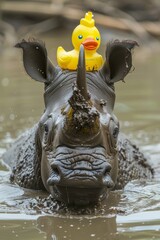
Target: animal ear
x,y
118,60
35,60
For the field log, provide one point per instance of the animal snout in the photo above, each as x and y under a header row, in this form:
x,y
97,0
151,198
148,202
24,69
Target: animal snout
x,y
81,173
55,176
106,178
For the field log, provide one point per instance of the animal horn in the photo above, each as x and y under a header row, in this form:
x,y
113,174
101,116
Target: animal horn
x,y
81,74
82,119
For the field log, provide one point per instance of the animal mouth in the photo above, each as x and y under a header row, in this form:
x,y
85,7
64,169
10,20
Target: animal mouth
x,y
90,44
80,175
80,196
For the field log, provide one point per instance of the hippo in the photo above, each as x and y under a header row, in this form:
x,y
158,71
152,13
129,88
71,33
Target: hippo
x,y
75,151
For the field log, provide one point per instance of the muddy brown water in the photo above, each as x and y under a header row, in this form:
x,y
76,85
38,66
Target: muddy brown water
x,y
138,109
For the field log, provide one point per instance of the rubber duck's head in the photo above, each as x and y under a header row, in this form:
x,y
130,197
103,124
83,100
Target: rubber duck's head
x,y
87,34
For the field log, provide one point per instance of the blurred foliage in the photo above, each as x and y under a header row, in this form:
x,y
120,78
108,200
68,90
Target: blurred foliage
x,y
19,17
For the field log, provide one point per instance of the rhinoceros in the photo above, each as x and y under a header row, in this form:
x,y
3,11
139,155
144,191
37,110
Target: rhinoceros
x,y
75,151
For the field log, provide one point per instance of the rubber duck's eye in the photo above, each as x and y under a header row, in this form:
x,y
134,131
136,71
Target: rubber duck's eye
x,y
97,38
80,36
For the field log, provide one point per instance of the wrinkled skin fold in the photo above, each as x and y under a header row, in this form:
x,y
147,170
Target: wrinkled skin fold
x,y
75,152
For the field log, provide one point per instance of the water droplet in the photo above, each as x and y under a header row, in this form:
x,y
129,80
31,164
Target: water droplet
x,y
93,235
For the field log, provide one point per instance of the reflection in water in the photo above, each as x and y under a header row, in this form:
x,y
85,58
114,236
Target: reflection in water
x,y
139,226
137,107
78,228
102,228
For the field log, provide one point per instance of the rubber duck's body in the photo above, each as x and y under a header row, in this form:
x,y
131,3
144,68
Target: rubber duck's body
x,y
88,35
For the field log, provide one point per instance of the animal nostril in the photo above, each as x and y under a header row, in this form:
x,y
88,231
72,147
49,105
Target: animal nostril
x,y
107,181
56,170
55,176
107,170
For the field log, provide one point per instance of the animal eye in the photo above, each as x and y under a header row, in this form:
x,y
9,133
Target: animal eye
x,y
97,38
80,36
46,128
115,132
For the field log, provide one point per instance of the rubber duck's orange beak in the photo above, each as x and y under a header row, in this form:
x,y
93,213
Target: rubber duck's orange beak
x,y
90,44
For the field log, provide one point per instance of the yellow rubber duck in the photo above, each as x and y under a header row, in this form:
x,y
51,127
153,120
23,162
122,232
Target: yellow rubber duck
x,y
87,34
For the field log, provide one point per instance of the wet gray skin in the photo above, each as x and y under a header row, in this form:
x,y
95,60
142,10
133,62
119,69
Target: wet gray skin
x,y
75,152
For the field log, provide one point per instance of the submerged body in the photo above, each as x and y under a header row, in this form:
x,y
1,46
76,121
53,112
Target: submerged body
x,y
75,152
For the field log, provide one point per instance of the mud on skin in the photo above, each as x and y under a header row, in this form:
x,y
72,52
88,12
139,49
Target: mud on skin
x,y
75,151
